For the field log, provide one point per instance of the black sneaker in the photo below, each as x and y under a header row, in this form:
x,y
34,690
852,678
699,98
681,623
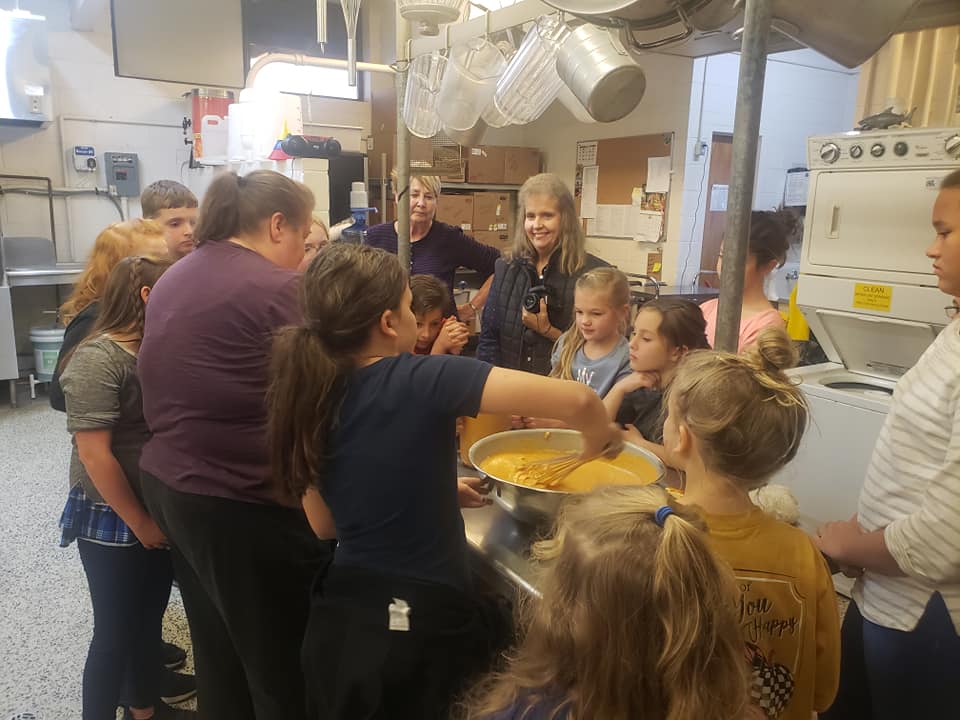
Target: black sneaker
x,y
177,687
174,657
162,711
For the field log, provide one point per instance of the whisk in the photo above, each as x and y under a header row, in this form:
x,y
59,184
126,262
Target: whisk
x,y
550,473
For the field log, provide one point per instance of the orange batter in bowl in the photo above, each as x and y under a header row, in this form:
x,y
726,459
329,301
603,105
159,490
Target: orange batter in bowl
x,y
622,470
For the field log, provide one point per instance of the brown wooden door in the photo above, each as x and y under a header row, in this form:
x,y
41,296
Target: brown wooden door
x,y
715,218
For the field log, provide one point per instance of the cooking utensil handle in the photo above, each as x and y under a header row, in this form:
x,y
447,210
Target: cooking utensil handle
x,y
487,484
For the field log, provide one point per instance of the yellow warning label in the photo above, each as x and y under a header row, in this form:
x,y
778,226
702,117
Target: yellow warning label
x,y
867,296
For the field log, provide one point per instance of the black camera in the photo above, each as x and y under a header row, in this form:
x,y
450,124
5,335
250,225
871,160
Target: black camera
x,y
537,291
531,301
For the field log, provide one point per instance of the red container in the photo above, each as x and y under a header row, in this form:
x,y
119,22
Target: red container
x,y
207,101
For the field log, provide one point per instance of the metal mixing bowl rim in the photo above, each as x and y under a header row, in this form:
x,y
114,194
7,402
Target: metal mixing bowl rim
x,y
636,449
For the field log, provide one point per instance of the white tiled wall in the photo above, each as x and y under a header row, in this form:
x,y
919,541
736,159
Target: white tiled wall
x,y
804,94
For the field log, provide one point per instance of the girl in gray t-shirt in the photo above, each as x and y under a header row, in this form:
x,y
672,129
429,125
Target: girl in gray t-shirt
x,y
123,551
594,349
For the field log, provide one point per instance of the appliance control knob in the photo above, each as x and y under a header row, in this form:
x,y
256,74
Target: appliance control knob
x,y
856,151
830,153
900,149
877,150
952,146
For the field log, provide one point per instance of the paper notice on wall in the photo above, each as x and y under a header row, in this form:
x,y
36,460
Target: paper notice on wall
x,y
612,221
587,152
626,221
647,225
718,198
795,192
658,174
588,192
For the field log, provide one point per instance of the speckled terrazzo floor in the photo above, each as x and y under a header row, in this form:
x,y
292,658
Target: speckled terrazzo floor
x,y
45,616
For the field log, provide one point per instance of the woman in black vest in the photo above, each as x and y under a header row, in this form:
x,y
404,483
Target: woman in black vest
x,y
531,298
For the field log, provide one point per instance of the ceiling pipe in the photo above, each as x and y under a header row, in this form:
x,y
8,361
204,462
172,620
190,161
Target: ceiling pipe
x,y
300,59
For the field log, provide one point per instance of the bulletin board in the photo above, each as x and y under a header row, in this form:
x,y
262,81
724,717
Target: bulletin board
x,y
615,194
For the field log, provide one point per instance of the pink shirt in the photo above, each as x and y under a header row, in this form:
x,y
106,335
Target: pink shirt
x,y
750,327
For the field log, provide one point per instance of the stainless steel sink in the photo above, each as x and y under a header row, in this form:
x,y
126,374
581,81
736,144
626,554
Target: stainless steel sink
x,y
28,261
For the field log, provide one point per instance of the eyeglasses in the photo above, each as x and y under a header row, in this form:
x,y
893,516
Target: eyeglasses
x,y
952,311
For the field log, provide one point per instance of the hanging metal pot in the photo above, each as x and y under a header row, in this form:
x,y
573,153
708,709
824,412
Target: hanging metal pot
x,y
597,68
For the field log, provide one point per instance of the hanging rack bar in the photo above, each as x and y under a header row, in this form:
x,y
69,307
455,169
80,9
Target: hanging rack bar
x,y
519,13
298,59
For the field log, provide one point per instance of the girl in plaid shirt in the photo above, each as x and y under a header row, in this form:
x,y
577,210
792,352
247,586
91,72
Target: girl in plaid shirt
x,y
122,550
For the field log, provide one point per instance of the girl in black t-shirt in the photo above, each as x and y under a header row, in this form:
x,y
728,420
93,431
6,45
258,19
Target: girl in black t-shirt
x,y
367,429
664,331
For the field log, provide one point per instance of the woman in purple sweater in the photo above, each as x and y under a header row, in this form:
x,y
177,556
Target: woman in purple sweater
x,y
436,248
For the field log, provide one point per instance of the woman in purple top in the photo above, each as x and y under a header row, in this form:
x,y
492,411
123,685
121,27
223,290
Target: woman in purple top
x,y
243,553
436,248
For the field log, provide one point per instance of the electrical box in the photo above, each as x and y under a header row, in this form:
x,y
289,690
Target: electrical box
x,y
84,158
123,174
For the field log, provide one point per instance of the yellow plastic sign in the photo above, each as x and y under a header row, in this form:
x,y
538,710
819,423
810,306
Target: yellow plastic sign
x,y
867,296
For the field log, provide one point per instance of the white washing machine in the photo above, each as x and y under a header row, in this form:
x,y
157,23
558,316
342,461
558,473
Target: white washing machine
x,y
845,419
869,295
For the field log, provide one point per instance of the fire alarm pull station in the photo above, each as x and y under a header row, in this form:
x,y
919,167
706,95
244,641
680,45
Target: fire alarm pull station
x,y
84,158
123,174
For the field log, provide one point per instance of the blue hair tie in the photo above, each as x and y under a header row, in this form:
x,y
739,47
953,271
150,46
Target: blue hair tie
x,y
661,515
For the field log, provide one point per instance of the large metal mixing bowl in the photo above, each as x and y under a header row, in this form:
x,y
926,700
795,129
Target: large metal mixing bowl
x,y
539,505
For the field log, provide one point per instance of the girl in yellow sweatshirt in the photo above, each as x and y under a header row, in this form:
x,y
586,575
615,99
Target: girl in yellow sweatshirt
x,y
733,421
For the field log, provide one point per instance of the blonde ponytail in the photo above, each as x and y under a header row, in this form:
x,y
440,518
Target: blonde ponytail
x,y
696,593
637,620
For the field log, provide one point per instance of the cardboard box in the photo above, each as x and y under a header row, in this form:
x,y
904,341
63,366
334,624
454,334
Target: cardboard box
x,y
493,211
485,164
456,210
499,240
519,164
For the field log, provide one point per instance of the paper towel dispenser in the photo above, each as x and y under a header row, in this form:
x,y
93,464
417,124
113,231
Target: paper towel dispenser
x,y
25,91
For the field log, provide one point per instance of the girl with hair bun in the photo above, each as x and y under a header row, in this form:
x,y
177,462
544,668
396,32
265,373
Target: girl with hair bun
x,y
732,422
637,620
769,243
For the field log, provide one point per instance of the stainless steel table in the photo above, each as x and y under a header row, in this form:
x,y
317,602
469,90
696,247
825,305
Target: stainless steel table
x,y
500,548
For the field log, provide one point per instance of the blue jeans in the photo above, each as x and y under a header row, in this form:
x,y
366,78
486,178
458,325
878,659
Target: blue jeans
x,y
129,589
891,674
